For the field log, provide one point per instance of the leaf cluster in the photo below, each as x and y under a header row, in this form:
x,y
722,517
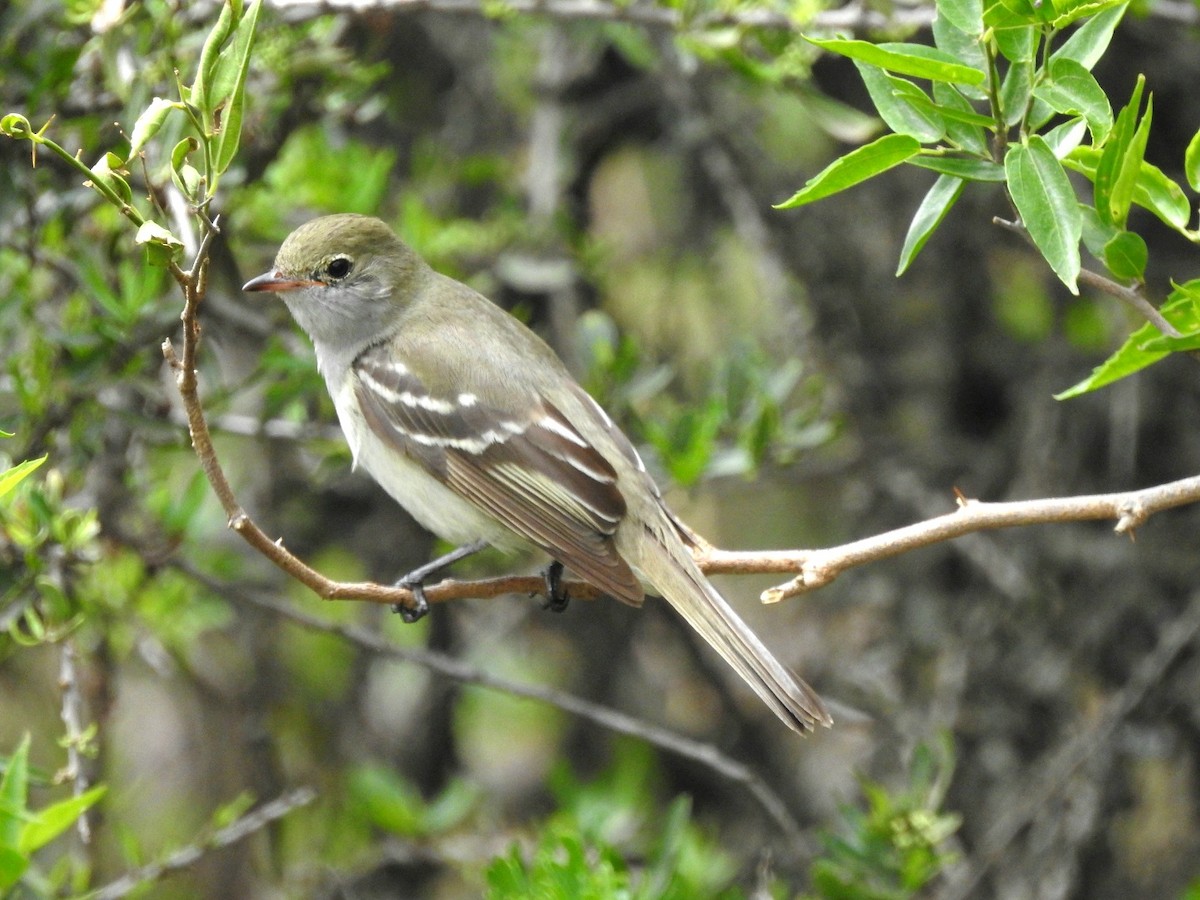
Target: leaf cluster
x,y
1012,101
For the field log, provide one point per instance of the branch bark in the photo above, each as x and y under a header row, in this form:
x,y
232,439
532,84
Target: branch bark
x,y
812,568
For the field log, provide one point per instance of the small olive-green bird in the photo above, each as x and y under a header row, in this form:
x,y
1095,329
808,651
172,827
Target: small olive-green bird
x,y
474,426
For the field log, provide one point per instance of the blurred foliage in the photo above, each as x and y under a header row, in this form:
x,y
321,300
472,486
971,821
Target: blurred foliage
x,y
892,849
24,831
754,410
583,850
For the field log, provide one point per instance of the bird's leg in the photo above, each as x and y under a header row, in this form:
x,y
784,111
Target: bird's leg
x,y
557,597
415,580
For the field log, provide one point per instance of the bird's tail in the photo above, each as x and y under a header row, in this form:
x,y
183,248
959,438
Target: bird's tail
x,y
676,576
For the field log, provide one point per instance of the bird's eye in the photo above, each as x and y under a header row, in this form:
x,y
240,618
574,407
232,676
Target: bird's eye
x,y
339,267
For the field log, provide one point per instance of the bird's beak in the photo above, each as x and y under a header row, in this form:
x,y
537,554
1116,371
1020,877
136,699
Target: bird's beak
x,y
274,281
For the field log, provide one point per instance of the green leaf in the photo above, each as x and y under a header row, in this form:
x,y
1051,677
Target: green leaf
x,y
1013,25
1064,138
149,122
387,800
1153,190
964,47
229,88
966,169
161,246
856,166
12,866
965,15
1126,255
1067,12
1043,196
52,821
894,101
1096,232
941,197
1089,42
1172,344
185,176
15,125
1191,162
103,174
1071,89
1015,91
1130,168
14,795
1120,157
10,478
1182,310
916,60
968,133
209,55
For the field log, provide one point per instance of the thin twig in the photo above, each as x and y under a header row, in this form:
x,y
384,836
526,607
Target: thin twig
x,y
72,718
187,856
1132,297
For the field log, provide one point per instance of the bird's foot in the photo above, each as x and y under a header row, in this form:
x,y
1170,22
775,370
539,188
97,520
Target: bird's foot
x,y
415,580
557,597
420,603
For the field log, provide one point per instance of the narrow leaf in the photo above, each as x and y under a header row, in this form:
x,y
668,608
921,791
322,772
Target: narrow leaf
x,y
916,60
941,197
52,821
1043,196
966,169
857,166
238,63
208,59
894,101
1180,344
1191,162
10,478
966,48
1130,168
1064,138
1153,190
14,794
1015,91
971,135
1089,42
1112,160
148,123
1068,12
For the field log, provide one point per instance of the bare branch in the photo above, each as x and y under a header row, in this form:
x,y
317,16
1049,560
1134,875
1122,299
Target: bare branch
x,y
76,736
190,855
1131,296
816,568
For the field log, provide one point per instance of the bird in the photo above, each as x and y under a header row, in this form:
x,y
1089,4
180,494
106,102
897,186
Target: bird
x,y
474,425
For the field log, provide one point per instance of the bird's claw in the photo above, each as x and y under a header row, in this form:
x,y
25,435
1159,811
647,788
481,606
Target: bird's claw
x,y
557,597
420,603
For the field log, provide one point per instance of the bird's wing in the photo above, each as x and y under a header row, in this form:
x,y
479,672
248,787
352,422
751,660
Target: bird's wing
x,y
531,469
